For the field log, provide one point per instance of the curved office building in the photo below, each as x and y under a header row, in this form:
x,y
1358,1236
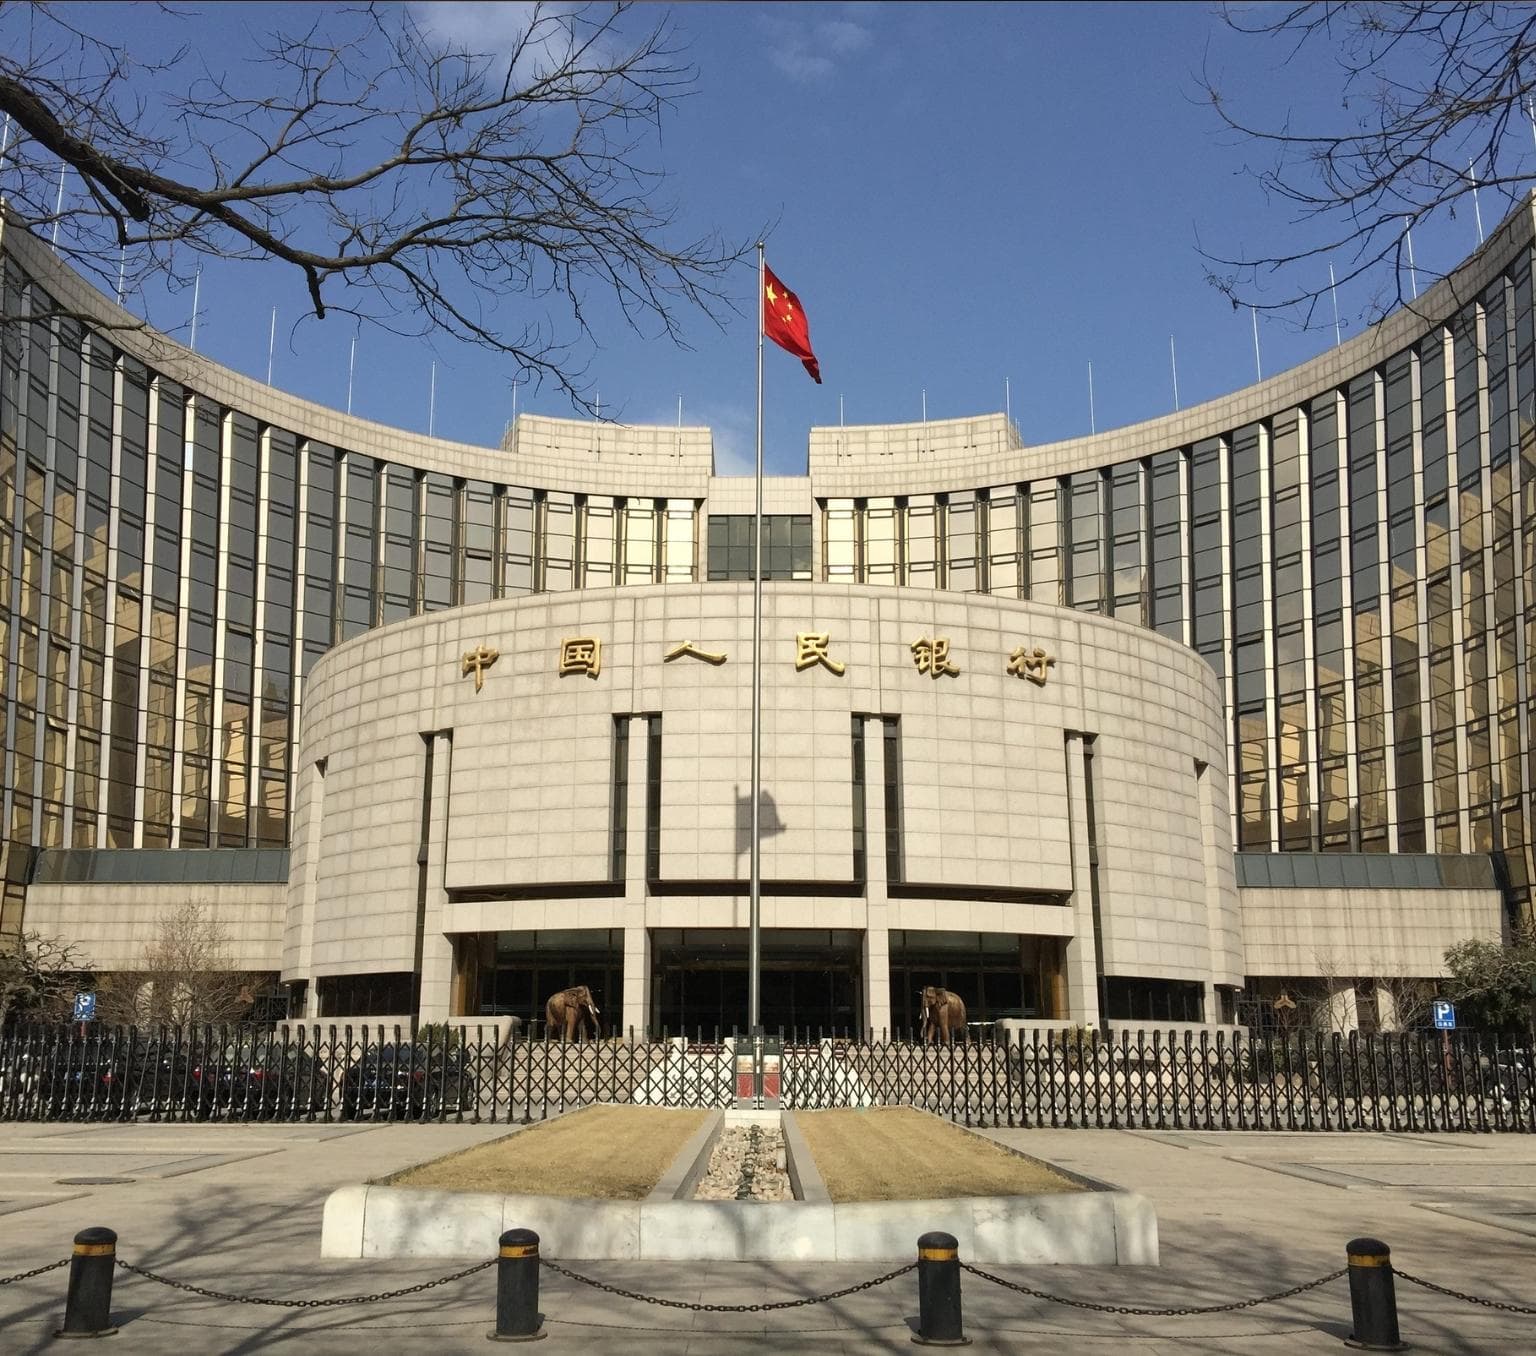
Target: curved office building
x,y
1152,726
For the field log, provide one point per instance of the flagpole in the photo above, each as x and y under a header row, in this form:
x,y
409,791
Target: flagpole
x,y
1471,171
755,887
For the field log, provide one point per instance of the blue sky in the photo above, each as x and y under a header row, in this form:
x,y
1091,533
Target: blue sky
x,y
963,195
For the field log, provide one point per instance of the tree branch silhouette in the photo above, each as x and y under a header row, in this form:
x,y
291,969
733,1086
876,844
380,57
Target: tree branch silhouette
x,y
1433,94
412,182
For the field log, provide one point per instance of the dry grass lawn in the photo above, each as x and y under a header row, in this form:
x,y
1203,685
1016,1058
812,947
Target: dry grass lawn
x,y
617,1153
902,1154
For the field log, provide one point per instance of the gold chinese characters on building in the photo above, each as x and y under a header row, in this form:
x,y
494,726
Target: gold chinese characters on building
x,y
581,654
477,661
691,650
584,654
932,657
1034,664
811,649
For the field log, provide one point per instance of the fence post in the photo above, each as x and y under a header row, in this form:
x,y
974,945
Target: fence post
x,y
1372,1297
88,1301
938,1292
517,1288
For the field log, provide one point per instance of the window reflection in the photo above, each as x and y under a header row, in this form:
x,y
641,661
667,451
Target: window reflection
x,y
786,546
1353,565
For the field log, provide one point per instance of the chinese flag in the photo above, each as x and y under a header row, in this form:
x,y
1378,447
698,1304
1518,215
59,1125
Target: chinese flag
x,y
784,322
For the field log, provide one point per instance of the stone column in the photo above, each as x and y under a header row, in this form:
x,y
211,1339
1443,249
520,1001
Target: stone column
x,y
1340,1011
304,886
636,1009
1386,1008
436,949
1082,953
877,943
1051,977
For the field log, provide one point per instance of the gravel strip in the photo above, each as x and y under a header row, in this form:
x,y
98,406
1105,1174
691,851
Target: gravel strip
x,y
739,1148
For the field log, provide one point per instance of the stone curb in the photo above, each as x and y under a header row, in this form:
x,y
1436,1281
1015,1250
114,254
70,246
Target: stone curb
x,y
1102,1226
1094,1228
804,1176
691,1162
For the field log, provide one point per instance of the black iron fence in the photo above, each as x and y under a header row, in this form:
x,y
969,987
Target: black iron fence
x,y
1416,1081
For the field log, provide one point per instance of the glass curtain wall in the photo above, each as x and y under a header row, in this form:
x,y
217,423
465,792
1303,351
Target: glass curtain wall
x,y
170,570
1357,568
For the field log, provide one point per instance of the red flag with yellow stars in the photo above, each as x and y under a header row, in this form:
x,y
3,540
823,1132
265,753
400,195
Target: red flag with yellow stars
x,y
784,322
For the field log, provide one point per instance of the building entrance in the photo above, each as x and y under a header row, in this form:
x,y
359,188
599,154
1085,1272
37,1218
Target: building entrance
x,y
998,975
513,974
812,980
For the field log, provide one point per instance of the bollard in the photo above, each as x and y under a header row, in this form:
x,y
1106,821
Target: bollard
x,y
88,1302
517,1288
938,1292
1372,1297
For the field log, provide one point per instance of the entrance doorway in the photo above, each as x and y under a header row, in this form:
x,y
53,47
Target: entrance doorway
x,y
516,972
997,974
812,980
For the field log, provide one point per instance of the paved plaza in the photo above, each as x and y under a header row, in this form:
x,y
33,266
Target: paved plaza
x,y
238,1208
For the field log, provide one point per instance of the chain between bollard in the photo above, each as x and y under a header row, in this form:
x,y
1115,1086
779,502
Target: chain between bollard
x,y
336,1303
1141,1312
725,1308
1505,1306
36,1271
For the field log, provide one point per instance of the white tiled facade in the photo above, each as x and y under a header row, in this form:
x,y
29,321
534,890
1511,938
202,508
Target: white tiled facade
x,y
992,784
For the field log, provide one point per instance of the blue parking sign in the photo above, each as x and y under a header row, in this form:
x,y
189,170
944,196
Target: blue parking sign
x,y
85,1007
1444,1014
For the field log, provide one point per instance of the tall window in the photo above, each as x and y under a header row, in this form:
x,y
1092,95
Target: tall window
x,y
1086,586
1168,606
360,546
1128,566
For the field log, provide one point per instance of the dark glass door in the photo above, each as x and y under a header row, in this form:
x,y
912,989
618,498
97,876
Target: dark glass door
x,y
812,981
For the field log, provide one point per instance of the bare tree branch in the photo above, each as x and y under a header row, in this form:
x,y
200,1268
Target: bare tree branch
x,y
38,973
187,976
1433,94
420,186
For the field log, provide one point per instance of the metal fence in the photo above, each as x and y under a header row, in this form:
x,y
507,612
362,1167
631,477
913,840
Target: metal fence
x,y
1415,1081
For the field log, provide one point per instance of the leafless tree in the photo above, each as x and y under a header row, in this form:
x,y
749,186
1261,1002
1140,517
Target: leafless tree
x,y
1327,1004
38,974
187,976
488,197
1409,1001
1436,98
1324,1003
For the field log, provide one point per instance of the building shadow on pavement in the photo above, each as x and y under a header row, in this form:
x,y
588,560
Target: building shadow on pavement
x,y
227,1238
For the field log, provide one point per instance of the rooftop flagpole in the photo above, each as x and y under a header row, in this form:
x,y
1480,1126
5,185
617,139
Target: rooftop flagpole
x,y
755,888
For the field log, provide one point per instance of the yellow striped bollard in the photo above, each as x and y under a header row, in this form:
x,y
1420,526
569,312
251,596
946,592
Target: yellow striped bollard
x,y
938,1292
517,1288
88,1301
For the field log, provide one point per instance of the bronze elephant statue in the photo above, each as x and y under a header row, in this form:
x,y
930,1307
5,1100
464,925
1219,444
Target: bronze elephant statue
x,y
943,1015
568,1012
